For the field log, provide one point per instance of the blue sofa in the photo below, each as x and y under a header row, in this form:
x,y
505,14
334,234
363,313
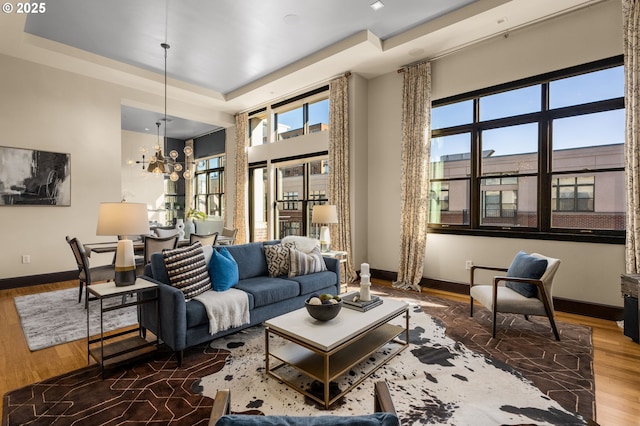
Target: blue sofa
x,y
185,324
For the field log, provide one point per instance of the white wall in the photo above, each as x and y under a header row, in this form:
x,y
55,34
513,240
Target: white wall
x,y
139,186
44,108
589,272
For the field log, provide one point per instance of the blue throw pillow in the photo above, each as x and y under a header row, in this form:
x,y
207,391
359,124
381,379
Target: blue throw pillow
x,y
223,269
526,266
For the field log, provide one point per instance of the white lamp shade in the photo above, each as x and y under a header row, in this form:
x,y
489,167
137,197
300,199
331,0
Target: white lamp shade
x,y
122,219
324,214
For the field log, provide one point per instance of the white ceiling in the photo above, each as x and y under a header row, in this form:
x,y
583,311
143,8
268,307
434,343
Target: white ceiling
x,y
231,55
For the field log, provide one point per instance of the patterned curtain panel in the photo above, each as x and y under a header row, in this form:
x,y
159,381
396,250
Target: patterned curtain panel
x,y
414,203
241,175
631,22
339,168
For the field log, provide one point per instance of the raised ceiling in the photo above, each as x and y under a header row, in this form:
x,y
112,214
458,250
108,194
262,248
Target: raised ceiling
x,y
232,55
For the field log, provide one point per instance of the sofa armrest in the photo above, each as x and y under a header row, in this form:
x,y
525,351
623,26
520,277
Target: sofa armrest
x,y
221,405
173,316
333,265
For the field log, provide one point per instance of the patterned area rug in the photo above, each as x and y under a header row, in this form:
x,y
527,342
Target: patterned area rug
x,y
435,381
563,369
56,317
156,392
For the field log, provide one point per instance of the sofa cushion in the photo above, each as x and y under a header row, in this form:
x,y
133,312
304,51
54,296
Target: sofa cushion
x,y
266,291
314,282
376,419
223,269
196,314
306,263
187,270
250,259
278,258
526,266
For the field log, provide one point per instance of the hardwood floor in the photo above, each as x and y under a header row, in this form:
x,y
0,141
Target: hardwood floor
x,y
616,357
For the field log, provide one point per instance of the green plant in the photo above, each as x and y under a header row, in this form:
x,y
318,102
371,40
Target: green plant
x,y
196,214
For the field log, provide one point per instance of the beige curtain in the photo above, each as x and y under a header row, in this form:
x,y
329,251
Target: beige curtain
x,y
339,168
241,174
631,23
416,143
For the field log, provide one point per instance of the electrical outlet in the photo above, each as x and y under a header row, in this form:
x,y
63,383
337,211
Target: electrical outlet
x,y
26,258
468,264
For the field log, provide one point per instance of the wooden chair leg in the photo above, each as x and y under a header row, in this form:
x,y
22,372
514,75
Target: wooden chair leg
x,y
493,323
471,307
553,327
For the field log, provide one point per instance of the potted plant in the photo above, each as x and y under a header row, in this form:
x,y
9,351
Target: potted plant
x,y
192,214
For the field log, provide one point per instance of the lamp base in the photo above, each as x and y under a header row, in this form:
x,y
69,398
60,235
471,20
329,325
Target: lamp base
x,y
125,278
125,264
325,239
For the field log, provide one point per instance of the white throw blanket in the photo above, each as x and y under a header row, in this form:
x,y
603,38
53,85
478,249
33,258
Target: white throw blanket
x,y
225,309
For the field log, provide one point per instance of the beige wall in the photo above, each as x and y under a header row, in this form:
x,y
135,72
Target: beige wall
x,y
44,108
589,272
139,186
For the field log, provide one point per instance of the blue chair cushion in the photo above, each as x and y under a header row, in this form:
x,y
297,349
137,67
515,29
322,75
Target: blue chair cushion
x,y
526,266
223,269
377,419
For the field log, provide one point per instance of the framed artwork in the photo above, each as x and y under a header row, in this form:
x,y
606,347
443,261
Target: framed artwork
x,y
32,177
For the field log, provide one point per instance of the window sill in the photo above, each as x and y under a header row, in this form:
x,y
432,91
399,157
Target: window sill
x,y
580,237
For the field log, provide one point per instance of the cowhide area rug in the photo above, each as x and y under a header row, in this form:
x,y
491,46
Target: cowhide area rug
x,y
435,381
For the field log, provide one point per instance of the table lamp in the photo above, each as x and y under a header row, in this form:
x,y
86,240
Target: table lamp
x,y
324,215
123,219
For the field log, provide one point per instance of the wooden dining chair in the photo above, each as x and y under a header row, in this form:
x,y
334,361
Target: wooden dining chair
x,y
157,244
206,240
230,235
86,274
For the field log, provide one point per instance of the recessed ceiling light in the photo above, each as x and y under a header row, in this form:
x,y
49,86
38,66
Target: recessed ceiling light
x,y
376,5
291,19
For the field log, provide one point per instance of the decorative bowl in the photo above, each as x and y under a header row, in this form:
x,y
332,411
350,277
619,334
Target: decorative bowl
x,y
324,312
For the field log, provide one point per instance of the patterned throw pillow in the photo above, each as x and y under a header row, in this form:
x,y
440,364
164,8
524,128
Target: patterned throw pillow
x,y
278,259
305,263
187,270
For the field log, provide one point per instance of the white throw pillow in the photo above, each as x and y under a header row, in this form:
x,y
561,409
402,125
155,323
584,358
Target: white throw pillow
x,y
304,244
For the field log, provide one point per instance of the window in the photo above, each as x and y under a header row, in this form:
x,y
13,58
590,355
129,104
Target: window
x,y
541,155
209,185
304,114
299,187
258,130
573,194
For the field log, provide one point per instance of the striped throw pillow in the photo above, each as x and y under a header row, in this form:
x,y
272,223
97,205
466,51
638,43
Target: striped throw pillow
x,y
187,270
305,263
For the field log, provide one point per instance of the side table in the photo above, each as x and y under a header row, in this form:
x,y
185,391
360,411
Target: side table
x,y
630,286
120,350
342,258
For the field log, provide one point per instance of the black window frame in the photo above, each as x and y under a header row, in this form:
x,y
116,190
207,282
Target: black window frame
x,y
221,178
544,175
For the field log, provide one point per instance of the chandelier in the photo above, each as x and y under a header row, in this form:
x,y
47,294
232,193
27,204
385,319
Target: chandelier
x,y
159,164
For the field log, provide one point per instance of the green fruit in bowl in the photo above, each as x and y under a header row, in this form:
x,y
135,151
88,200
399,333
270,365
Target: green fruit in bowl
x,y
337,298
326,296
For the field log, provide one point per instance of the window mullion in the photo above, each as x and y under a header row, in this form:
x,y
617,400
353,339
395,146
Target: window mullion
x,y
544,164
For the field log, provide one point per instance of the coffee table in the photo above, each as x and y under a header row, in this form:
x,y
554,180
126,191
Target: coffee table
x,y
327,350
